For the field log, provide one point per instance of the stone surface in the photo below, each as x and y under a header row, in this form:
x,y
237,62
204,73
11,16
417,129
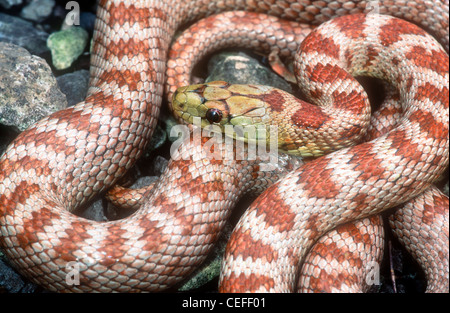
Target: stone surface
x,y
38,10
22,33
12,282
240,68
66,46
28,89
74,86
9,3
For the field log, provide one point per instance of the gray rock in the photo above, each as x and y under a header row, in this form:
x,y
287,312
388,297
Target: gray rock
x,y
87,20
7,136
38,10
158,139
144,181
12,282
28,89
74,86
9,3
159,165
22,33
95,212
240,68
170,122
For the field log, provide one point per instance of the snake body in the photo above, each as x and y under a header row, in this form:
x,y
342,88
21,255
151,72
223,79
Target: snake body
x,y
65,160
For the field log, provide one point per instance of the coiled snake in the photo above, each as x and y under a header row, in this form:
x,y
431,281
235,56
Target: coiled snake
x,y
68,158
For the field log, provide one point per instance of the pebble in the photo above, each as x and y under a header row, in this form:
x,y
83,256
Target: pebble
x,y
66,46
22,33
7,4
29,89
38,10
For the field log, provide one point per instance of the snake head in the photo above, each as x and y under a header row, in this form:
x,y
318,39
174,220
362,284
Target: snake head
x,y
222,104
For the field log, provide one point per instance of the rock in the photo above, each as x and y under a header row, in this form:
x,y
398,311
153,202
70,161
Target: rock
x,y
8,135
38,10
144,181
67,45
28,89
159,165
87,20
22,33
95,212
240,68
170,122
207,273
158,139
12,282
9,3
74,86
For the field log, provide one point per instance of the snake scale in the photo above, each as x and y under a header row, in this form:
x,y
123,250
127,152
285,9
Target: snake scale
x,y
68,158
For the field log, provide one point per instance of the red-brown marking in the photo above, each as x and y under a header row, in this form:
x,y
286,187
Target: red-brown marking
x,y
242,283
326,73
394,29
18,196
441,204
326,282
109,250
280,216
275,99
353,102
436,61
121,78
76,234
122,14
34,225
407,149
309,116
130,48
367,164
317,180
315,42
242,244
371,54
352,25
205,189
433,93
428,124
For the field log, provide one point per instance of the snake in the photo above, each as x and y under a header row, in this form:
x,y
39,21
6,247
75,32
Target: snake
x,y
222,104
64,161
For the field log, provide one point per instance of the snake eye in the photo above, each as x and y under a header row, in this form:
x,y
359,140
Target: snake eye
x,y
213,115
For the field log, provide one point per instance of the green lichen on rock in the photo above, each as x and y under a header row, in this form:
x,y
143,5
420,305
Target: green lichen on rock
x,y
203,276
66,46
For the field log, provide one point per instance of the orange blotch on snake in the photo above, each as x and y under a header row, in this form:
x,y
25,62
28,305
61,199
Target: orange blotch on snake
x,y
275,99
317,43
309,116
350,25
395,29
436,61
